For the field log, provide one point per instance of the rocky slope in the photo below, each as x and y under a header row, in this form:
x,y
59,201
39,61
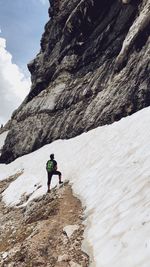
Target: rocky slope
x,y
93,69
47,232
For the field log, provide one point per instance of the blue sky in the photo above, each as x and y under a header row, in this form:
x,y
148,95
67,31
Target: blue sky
x,y
21,26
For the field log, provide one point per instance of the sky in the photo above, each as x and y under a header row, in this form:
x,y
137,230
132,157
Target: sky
x,y
21,26
108,168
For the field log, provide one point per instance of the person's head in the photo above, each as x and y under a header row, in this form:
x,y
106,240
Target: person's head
x,y
52,156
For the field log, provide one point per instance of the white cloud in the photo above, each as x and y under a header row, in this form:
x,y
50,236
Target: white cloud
x,y
44,2
14,86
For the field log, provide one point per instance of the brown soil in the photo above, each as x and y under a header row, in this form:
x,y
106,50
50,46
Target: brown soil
x,y
34,235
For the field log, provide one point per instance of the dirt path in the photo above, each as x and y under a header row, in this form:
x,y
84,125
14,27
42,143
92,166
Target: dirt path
x,y
47,232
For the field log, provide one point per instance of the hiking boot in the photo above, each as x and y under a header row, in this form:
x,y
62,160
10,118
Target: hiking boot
x,y
60,182
48,191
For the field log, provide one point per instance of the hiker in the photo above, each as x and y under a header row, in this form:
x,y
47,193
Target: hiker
x,y
51,167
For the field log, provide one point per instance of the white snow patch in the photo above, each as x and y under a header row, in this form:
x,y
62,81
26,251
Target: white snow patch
x,y
2,139
110,171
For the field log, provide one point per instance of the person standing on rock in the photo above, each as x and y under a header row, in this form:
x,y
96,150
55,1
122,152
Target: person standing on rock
x,y
51,167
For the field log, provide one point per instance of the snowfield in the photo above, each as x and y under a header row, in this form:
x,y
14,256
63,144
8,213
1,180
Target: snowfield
x,y
2,139
109,168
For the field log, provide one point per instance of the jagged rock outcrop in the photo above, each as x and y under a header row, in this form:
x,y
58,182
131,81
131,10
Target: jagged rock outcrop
x,y
93,69
34,235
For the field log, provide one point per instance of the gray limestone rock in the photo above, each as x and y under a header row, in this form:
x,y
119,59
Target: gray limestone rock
x,y
70,229
74,264
93,69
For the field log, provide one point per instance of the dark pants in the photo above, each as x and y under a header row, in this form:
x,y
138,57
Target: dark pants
x,y
50,174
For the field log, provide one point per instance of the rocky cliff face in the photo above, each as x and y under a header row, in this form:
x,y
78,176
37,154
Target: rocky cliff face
x,y
93,69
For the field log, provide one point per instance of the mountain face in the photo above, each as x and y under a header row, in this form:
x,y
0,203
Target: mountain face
x,y
93,69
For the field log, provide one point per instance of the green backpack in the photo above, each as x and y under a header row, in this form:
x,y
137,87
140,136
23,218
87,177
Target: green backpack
x,y
50,166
